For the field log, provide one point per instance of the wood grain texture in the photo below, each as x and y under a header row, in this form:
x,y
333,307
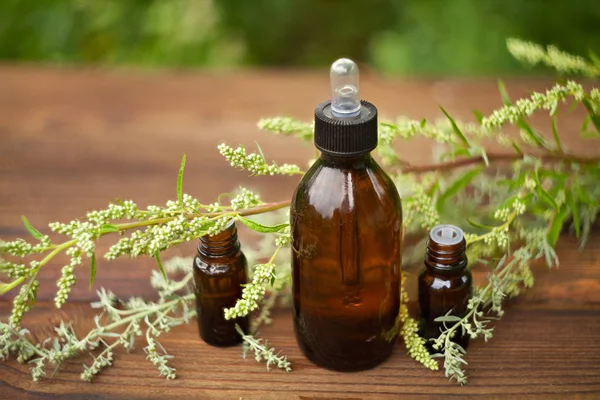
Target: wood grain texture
x,y
72,140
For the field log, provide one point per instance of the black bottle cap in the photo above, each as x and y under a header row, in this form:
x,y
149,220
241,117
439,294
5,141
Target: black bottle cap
x,y
346,137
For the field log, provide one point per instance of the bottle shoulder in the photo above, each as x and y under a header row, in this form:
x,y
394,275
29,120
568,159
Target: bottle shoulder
x,y
453,280
326,189
222,265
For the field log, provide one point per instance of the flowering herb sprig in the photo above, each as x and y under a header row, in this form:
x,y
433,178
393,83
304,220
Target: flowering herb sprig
x,y
514,218
121,324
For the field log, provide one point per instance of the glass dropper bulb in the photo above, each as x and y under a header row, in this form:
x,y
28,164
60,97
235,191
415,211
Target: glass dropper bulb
x,y
345,96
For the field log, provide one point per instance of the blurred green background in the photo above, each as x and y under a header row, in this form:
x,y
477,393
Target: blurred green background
x,y
411,37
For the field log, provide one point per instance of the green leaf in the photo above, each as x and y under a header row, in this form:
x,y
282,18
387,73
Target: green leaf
x,y
260,151
542,194
484,155
93,270
555,133
180,182
34,232
423,123
554,109
160,266
574,212
590,135
389,125
504,94
108,228
255,226
556,226
478,225
478,115
456,129
517,148
550,255
593,116
586,122
583,196
594,57
537,139
457,185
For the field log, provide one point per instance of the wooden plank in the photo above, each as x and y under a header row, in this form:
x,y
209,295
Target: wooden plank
x,y
75,139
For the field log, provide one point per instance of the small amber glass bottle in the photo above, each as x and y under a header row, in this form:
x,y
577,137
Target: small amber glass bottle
x,y
446,284
219,273
346,224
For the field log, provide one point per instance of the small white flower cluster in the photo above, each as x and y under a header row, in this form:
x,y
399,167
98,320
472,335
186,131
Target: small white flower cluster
x,y
529,183
15,341
287,126
255,163
469,237
38,371
67,278
527,106
190,203
127,209
283,239
553,57
23,302
14,271
19,248
453,362
421,208
505,213
502,214
102,361
253,292
262,352
83,232
523,256
497,294
406,128
531,53
415,344
213,207
219,225
519,207
158,237
245,199
160,361
498,236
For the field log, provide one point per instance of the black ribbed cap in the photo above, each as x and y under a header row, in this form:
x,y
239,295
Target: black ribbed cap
x,y
346,137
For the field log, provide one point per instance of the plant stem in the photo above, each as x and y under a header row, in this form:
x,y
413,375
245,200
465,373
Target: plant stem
x,y
250,211
496,157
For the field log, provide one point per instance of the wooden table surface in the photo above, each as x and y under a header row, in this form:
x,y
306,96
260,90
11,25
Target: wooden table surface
x,y
73,140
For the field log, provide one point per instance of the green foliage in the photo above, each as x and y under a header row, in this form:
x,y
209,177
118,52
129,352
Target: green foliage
x,y
414,37
467,37
176,33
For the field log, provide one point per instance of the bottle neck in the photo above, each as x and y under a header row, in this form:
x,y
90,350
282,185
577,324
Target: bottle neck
x,y
447,259
345,162
222,244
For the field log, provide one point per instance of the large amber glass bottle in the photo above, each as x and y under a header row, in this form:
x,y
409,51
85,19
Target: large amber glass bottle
x,y
346,222
219,273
